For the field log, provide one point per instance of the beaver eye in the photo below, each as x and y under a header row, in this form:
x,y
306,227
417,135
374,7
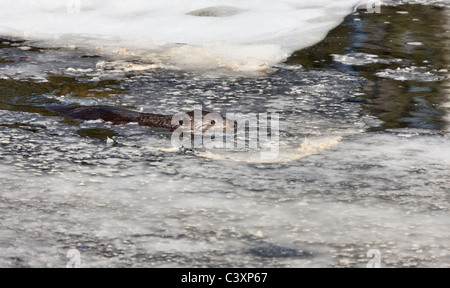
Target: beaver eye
x,y
180,122
213,122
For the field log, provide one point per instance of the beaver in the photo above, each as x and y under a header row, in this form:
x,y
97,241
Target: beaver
x,y
120,116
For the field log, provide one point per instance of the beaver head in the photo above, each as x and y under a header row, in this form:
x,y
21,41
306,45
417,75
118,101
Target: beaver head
x,y
200,120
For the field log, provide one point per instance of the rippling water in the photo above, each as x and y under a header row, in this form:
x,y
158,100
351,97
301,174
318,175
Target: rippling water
x,y
363,164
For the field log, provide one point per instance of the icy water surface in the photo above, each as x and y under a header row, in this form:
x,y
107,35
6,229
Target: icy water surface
x,y
363,163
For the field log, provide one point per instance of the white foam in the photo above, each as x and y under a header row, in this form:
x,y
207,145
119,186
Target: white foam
x,y
240,35
412,73
360,59
307,148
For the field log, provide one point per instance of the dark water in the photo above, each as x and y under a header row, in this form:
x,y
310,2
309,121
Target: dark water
x,y
415,102
363,163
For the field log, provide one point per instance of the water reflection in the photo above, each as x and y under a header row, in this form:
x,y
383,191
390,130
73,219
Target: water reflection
x,y
411,40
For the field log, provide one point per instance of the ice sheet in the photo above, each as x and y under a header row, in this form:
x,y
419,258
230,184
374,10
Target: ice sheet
x,y
241,35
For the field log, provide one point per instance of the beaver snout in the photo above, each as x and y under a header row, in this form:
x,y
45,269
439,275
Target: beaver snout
x,y
200,120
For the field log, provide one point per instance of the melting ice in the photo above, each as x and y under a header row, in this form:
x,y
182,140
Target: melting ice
x,y
240,35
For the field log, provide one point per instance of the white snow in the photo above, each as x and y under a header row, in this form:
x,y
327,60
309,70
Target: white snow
x,y
240,35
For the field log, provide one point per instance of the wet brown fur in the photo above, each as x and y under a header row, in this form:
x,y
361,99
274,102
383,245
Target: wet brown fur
x,y
122,116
